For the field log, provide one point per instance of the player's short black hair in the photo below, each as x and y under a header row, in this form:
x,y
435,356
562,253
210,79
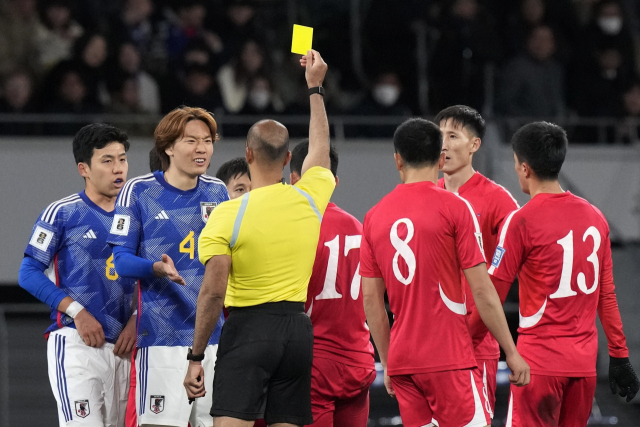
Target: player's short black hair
x,y
418,141
96,136
300,152
543,146
232,169
464,116
155,164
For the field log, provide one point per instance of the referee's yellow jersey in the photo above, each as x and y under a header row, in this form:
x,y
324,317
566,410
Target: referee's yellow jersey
x,y
271,234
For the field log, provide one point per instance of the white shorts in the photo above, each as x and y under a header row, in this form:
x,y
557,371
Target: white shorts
x,y
90,384
161,398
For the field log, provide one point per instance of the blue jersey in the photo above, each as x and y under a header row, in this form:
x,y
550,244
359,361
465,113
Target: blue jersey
x,y
154,218
71,238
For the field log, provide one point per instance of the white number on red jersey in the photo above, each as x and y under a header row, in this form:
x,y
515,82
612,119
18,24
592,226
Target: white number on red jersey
x,y
564,290
329,290
403,250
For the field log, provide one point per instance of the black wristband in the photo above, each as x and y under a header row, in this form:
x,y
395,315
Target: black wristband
x,y
318,89
195,357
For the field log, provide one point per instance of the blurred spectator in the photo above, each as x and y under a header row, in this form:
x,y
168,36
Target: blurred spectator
x,y
629,130
583,10
236,25
17,91
197,89
609,28
18,29
467,43
529,15
90,54
124,90
384,99
235,76
261,101
128,61
71,96
532,84
598,89
140,22
187,24
57,35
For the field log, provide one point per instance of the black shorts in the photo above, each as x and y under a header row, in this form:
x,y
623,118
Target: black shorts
x,y
263,366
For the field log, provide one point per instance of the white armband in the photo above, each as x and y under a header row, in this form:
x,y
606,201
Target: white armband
x,y
73,309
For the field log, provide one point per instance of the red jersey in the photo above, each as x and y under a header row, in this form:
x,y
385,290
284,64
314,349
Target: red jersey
x,y
334,299
491,203
418,238
558,246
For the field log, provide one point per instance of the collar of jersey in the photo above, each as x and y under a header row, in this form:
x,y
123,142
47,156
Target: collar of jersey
x,y
160,178
92,205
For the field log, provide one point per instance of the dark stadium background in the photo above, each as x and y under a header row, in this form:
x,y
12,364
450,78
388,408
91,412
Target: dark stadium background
x,y
65,63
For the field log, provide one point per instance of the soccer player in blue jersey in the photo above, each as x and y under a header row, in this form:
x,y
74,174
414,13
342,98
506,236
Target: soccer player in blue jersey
x,y
159,217
68,265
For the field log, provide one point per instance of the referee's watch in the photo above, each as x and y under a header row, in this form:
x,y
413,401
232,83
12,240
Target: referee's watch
x,y
318,89
195,357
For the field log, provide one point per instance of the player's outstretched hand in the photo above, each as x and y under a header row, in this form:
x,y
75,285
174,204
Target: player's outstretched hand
x,y
520,370
89,329
316,68
388,385
622,375
127,339
194,381
166,268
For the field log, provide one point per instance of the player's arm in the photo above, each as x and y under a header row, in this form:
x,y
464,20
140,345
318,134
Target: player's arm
x,y
209,307
318,154
477,328
129,265
622,377
127,338
373,289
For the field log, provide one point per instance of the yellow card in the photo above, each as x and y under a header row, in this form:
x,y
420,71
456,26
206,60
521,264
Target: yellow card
x,y
302,38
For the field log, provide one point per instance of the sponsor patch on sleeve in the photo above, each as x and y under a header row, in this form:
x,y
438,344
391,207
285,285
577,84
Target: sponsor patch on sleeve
x,y
41,238
497,256
120,225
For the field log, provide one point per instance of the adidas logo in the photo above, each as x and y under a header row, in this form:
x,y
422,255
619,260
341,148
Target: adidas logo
x,y
90,235
162,215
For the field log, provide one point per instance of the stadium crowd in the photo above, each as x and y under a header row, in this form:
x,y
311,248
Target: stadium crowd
x,y
560,58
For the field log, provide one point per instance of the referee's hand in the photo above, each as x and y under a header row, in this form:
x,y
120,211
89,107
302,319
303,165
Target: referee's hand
x,y
194,381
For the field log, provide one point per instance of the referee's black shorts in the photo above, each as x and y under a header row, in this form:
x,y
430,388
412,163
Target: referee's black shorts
x,y
263,366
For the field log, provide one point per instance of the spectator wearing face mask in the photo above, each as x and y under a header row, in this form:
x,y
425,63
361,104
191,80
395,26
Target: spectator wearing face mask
x,y
532,84
384,99
609,27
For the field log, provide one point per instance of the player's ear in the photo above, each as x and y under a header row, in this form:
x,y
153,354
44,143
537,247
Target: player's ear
x,y
337,180
399,162
441,160
287,159
248,153
475,144
83,169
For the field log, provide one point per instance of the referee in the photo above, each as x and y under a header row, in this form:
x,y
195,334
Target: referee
x,y
259,251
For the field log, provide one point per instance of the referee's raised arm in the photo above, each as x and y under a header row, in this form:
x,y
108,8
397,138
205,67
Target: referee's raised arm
x,y
318,125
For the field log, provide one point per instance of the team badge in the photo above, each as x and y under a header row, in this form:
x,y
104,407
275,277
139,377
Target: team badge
x,y
157,404
497,256
120,225
41,238
206,208
82,408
